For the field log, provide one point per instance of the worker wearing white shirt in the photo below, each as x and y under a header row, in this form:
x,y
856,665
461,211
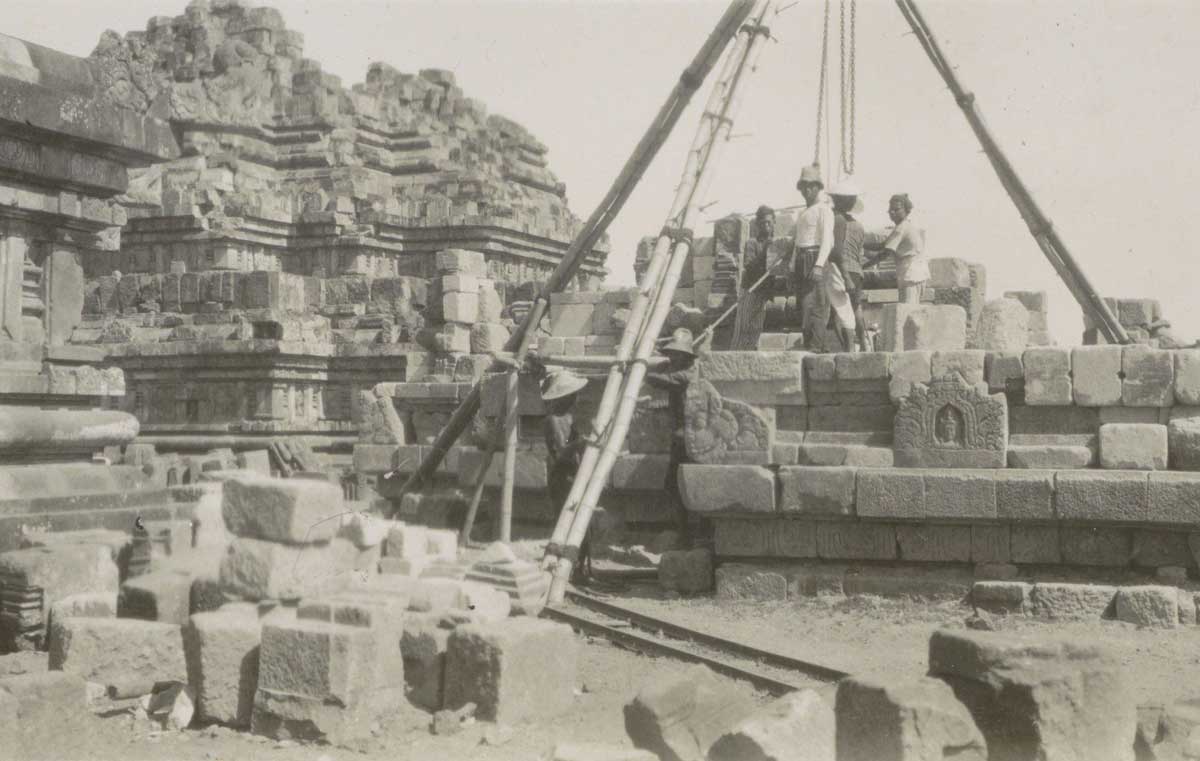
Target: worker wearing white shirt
x,y
812,244
906,242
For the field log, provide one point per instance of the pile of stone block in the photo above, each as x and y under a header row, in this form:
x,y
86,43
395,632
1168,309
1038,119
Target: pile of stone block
x,y
463,311
698,716
419,551
1134,315
1037,311
285,537
1151,605
36,579
986,696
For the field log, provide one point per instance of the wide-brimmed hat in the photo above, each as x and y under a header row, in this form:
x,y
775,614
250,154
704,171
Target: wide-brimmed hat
x,y
848,188
681,342
811,173
560,383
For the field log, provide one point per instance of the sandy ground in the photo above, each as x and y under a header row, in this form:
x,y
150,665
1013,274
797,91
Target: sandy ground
x,y
864,635
889,637
608,678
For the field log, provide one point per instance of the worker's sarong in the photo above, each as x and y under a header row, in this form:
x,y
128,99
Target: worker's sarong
x,y
837,298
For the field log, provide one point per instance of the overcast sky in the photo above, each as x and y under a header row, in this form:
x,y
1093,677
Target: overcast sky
x,y
1096,101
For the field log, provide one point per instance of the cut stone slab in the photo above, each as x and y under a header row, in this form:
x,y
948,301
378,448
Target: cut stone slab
x,y
524,582
1133,446
1003,325
923,327
1187,377
686,571
1167,733
796,726
1038,698
1150,605
317,660
423,648
1072,602
745,582
89,605
1174,498
254,569
222,649
1047,376
60,571
285,716
111,651
890,494
681,719
910,720
1024,494
966,364
1096,375
1183,438
293,510
908,369
1102,495
817,490
1050,456
727,488
515,670
1149,377
1002,596
45,699
163,595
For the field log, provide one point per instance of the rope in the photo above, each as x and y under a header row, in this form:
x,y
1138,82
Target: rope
x,y
821,83
849,86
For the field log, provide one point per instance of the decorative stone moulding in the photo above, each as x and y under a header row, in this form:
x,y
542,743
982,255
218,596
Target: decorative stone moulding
x,y
949,423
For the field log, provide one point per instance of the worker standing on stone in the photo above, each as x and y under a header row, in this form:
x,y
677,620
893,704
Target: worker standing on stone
x,y
564,447
675,380
812,245
752,307
905,242
848,237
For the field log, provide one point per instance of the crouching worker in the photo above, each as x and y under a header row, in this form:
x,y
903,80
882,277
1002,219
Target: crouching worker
x,y
675,380
564,447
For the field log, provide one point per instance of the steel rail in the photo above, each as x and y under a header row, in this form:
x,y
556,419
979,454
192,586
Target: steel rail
x,y
678,631
650,646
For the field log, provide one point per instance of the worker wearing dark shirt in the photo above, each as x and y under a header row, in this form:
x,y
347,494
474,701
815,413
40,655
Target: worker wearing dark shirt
x,y
564,447
847,256
675,380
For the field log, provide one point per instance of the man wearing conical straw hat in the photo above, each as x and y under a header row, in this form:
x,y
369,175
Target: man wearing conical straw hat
x,y
675,379
564,447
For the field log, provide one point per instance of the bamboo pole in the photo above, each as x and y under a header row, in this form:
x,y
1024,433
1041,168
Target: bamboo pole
x,y
1039,225
645,151
511,419
635,324
711,137
464,536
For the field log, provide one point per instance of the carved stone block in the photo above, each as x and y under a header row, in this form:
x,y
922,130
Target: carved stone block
x,y
719,430
951,424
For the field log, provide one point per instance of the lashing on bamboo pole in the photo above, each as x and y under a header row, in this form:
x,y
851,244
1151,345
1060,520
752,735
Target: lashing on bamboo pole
x,y
591,231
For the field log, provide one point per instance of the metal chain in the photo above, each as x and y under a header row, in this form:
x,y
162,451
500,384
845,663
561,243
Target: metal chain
x,y
821,83
848,87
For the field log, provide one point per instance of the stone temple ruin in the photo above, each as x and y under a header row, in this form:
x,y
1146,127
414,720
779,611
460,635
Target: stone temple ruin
x,y
234,294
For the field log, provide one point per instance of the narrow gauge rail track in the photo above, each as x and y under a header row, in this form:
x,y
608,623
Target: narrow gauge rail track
x,y
765,670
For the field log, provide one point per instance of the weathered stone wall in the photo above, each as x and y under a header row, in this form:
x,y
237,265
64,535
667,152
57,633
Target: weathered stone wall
x,y
1092,441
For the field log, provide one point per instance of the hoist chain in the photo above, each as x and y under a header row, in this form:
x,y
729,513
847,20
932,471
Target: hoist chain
x,y
848,95
821,83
